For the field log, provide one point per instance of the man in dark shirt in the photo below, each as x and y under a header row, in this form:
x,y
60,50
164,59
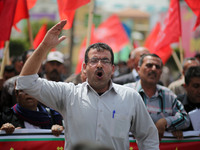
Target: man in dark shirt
x,y
191,100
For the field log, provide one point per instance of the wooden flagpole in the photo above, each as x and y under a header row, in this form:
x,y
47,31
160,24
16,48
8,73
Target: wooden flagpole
x,y
181,50
90,21
30,33
177,62
3,63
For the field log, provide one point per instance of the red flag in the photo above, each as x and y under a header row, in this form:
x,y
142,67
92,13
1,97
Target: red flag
x,y
165,52
31,3
72,5
195,6
172,27
21,12
112,32
7,11
82,51
1,48
67,10
40,35
149,42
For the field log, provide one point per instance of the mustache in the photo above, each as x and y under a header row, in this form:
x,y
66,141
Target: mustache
x,y
152,73
54,71
99,70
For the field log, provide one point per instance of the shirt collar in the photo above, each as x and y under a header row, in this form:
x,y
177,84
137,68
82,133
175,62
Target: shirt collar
x,y
111,87
141,90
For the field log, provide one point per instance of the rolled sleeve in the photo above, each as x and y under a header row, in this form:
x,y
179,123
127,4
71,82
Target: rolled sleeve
x,y
25,82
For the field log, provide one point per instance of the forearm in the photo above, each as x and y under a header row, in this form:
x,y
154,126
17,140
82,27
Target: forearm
x,y
178,122
34,62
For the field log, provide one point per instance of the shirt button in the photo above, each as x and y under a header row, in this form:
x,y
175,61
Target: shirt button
x,y
101,110
99,125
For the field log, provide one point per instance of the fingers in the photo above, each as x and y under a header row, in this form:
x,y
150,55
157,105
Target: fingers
x,y
160,135
178,134
58,27
62,38
8,128
57,130
62,23
52,38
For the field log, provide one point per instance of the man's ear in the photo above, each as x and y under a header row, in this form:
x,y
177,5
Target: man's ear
x,y
84,65
137,68
113,69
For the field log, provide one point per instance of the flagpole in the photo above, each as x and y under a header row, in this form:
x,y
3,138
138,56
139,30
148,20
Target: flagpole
x,y
30,33
177,61
4,59
181,49
90,20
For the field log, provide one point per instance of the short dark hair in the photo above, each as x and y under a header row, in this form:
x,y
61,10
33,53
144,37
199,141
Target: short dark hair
x,y
188,59
9,68
192,72
99,47
197,55
145,55
25,53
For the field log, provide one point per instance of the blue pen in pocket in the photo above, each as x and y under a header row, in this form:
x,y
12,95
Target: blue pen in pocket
x,y
113,115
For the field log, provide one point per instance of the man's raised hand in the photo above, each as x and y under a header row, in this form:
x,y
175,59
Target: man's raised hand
x,y
52,38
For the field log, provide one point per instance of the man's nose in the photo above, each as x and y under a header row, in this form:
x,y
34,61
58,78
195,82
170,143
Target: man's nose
x,y
153,67
99,63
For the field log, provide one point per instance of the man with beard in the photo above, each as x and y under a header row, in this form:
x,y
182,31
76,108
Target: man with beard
x,y
165,110
53,66
97,110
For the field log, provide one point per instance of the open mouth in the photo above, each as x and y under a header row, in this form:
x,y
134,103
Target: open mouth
x,y
29,99
99,74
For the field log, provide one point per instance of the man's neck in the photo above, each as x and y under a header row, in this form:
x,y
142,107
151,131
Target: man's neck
x,y
149,89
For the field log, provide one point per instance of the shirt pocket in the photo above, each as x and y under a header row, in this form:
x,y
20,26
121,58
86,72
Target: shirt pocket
x,y
120,126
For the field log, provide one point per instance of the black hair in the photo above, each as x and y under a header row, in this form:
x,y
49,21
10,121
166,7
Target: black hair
x,y
9,68
99,47
145,55
188,59
25,53
192,72
197,55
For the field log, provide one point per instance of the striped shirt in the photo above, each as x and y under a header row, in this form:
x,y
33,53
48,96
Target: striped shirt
x,y
164,104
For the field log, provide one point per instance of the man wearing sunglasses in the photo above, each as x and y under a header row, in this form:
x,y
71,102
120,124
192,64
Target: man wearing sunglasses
x,y
166,111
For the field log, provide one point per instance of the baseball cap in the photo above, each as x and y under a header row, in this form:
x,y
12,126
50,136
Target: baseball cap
x,y
55,56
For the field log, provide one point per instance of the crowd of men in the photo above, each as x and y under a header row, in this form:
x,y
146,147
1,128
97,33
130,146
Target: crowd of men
x,y
95,106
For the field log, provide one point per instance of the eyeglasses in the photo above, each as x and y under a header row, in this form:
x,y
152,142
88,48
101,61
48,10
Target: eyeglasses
x,y
151,65
95,61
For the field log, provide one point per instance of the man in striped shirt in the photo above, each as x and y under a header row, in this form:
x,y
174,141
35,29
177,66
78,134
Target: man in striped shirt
x,y
166,111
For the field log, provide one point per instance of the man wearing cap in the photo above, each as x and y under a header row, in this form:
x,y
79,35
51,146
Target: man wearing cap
x,y
53,66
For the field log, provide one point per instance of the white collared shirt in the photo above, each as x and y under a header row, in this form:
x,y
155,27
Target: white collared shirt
x,y
105,119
